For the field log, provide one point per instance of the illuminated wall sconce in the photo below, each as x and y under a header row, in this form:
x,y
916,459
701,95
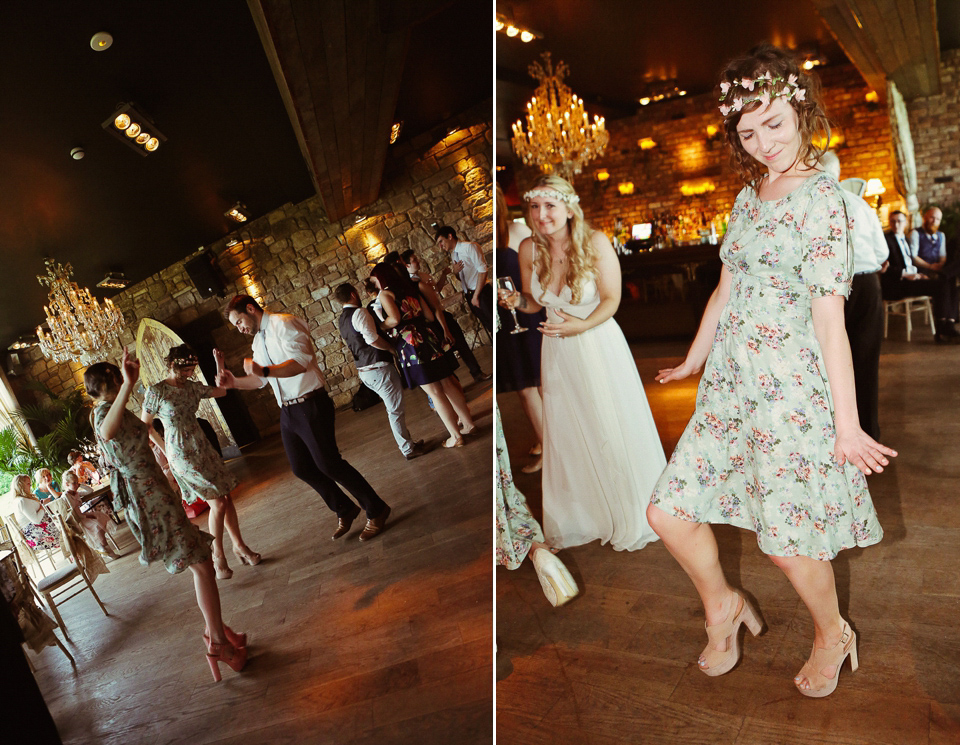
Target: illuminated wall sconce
x,y
238,213
625,188
646,143
133,128
603,175
510,28
713,134
644,101
395,131
695,187
875,188
873,97
233,242
837,139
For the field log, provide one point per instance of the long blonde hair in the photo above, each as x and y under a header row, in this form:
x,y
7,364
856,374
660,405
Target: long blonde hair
x,y
582,266
16,490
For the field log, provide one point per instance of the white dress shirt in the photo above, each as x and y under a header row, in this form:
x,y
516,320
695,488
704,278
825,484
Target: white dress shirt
x,y
473,263
869,246
284,337
363,324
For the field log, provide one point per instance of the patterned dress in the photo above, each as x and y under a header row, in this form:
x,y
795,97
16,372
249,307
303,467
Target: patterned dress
x,y
197,466
422,353
516,528
154,513
758,451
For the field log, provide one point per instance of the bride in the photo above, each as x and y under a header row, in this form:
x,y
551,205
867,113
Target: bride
x,y
601,452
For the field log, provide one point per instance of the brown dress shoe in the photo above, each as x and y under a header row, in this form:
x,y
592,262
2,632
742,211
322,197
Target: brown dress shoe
x,y
375,525
344,523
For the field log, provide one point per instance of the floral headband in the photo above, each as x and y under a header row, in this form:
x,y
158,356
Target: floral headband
x,y
188,360
791,90
551,194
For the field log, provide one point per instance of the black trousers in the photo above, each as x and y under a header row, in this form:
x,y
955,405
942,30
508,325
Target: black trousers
x,y
460,342
485,311
310,440
864,323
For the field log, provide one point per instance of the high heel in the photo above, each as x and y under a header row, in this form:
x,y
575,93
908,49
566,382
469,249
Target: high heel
x,y
235,657
220,565
555,579
714,662
821,685
457,443
237,640
247,557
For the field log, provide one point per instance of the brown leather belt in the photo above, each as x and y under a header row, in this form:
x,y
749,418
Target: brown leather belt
x,y
304,397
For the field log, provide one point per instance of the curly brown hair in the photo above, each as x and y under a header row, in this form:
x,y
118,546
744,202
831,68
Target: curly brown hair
x,y
812,121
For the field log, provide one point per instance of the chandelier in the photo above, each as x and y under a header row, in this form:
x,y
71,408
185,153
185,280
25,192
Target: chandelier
x,y
560,136
80,329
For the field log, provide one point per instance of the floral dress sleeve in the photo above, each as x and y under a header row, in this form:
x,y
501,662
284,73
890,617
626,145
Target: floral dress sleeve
x,y
826,263
151,400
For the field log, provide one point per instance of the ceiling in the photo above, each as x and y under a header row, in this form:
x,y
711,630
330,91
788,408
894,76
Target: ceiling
x,y
200,70
615,48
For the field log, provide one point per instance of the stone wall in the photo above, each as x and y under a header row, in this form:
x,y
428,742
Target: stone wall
x,y
935,127
684,153
291,258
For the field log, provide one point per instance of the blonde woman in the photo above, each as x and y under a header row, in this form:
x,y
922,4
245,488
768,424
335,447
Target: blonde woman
x,y
601,451
38,529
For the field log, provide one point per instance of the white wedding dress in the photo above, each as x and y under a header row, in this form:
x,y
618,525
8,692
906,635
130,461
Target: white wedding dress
x,y
601,452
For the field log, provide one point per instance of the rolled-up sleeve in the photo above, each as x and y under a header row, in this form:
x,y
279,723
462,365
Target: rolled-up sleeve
x,y
363,323
474,258
293,341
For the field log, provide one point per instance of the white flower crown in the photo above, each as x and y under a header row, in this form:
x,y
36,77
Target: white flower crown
x,y
551,194
790,90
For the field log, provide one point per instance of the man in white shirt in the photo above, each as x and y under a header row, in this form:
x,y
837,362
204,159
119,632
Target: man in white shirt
x,y
863,313
473,274
903,279
373,356
284,358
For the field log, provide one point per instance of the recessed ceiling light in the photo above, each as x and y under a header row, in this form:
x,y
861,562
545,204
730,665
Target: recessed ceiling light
x,y
77,153
100,41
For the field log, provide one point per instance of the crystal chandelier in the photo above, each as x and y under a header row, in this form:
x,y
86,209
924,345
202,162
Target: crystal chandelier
x,y
560,136
80,329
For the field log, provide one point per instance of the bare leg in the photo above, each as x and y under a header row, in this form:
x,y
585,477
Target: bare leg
x,y
208,598
533,407
443,408
814,582
453,392
215,525
232,523
694,547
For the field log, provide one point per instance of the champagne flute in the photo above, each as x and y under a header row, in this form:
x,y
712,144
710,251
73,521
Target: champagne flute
x,y
506,283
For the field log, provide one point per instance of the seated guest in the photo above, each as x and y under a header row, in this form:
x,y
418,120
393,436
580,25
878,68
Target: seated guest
x,y
37,527
86,473
902,279
47,489
928,246
94,522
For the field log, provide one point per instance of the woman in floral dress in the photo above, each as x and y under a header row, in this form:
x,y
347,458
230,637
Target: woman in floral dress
x,y
775,444
197,467
37,527
425,359
154,513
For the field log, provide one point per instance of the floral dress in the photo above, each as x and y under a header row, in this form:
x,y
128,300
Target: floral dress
x,y
516,528
197,466
422,353
154,513
758,452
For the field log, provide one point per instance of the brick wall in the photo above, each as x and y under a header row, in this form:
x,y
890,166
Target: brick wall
x,y
935,126
291,258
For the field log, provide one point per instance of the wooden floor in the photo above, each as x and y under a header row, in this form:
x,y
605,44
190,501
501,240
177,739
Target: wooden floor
x,y
618,664
381,642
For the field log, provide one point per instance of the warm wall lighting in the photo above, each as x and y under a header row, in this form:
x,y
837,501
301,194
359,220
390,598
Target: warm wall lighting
x,y
625,188
395,131
644,101
836,140
603,175
695,187
875,188
238,213
512,29
498,25
134,128
711,131
873,97
646,143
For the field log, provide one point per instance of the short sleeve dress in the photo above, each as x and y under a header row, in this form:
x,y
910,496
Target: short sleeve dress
x,y
423,355
197,467
758,451
154,513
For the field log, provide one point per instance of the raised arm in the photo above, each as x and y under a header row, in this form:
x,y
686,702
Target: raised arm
x,y
130,369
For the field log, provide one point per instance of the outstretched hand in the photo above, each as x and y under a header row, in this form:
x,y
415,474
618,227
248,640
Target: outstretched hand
x,y
863,451
129,367
681,371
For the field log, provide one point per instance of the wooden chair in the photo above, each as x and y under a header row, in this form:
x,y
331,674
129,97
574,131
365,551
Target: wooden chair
x,y
64,508
25,549
64,579
906,307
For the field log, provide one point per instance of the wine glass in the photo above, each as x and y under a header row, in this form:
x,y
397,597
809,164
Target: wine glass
x,y
506,283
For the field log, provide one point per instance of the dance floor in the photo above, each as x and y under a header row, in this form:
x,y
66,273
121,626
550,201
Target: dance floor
x,y
618,663
380,642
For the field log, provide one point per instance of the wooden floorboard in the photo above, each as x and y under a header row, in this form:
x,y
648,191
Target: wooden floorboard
x,y
618,664
384,642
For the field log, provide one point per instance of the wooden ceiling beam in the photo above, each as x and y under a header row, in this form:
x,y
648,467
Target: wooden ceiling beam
x,y
888,39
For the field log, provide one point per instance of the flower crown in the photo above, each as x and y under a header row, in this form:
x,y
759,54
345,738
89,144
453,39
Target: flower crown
x,y
790,90
551,194
184,361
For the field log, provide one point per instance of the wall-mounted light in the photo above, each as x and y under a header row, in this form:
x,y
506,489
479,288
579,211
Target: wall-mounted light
x,y
114,281
837,139
134,128
873,97
233,242
625,188
644,101
395,131
602,175
646,143
238,212
875,188
695,187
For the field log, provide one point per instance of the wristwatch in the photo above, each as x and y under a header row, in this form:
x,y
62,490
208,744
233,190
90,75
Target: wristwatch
x,y
266,371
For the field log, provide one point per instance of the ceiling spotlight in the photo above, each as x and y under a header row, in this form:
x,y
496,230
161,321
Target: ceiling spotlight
x,y
238,212
498,25
133,127
526,36
77,153
232,242
100,41
359,219
114,281
512,31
